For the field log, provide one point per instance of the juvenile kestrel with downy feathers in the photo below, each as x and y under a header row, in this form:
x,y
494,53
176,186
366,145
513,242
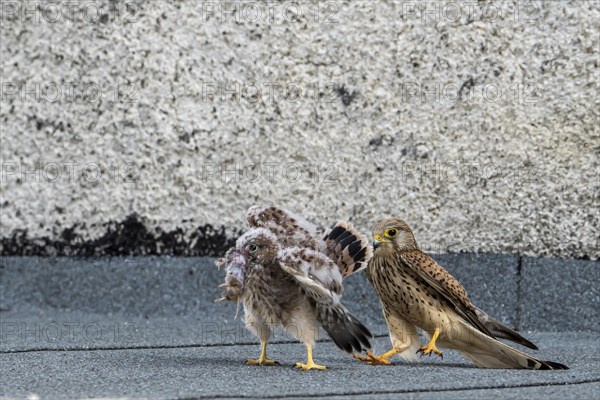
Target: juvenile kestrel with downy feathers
x,y
287,276
415,291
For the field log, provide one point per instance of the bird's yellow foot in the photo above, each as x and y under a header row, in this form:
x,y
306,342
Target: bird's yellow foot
x,y
426,350
261,361
310,365
372,359
361,358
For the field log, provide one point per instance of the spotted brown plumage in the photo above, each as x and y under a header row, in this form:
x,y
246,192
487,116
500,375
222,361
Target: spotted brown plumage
x,y
349,249
291,278
417,292
290,229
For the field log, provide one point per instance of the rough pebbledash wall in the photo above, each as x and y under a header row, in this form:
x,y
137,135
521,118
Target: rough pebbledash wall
x,y
149,127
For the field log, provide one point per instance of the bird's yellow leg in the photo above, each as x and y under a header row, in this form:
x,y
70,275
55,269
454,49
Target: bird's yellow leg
x,y
377,360
263,359
310,364
426,350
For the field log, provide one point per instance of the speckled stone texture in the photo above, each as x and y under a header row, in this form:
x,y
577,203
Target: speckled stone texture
x,y
474,121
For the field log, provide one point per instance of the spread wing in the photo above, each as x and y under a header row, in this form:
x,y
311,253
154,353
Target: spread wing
x,y
445,285
349,249
318,276
291,230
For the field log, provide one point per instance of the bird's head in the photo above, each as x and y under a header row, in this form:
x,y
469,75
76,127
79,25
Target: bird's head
x,y
393,234
259,245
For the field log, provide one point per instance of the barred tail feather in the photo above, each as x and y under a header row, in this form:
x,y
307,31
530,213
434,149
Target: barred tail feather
x,y
347,332
348,248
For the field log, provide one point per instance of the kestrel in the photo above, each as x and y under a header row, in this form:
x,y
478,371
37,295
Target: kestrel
x,y
287,277
415,291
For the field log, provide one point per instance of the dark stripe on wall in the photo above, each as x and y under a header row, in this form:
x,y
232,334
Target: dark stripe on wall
x,y
128,237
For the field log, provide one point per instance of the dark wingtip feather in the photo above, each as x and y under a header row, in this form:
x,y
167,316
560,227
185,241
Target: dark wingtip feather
x,y
343,236
345,242
361,255
348,248
511,335
354,248
501,331
547,365
529,344
335,232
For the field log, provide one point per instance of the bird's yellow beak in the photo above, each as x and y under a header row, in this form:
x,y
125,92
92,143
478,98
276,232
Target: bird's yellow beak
x,y
377,241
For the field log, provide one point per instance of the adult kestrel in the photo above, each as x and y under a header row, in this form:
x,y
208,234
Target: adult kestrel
x,y
287,277
415,291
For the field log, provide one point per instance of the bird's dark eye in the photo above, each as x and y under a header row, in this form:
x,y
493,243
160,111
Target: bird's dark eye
x,y
252,248
391,232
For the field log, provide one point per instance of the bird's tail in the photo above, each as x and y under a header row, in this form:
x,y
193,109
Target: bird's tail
x,y
487,352
347,332
348,248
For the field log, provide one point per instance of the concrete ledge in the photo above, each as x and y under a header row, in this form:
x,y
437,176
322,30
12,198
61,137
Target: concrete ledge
x,y
174,288
557,293
168,286
132,286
